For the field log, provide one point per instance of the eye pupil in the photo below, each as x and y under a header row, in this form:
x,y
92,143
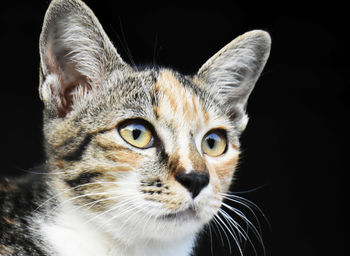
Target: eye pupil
x,y
211,142
136,133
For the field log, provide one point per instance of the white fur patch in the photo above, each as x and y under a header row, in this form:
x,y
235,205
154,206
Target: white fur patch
x,y
71,235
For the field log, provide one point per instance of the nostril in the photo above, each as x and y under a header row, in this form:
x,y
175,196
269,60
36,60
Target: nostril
x,y
194,182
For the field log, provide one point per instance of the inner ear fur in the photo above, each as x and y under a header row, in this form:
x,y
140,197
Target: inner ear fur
x,y
230,75
76,55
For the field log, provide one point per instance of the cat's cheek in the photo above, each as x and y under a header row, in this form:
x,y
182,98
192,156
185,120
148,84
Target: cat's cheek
x,y
221,173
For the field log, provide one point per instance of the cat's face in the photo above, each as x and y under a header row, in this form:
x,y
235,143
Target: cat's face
x,y
143,152
125,157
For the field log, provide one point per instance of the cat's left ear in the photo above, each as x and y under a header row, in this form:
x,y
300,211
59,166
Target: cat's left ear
x,y
76,56
230,75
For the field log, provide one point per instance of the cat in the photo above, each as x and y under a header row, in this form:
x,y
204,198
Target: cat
x,y
138,161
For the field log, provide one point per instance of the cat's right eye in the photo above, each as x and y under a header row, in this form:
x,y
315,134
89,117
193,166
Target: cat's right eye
x,y
136,133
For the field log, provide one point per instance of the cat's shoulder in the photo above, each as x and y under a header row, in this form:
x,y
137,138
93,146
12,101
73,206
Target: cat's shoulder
x,y
19,197
9,187
21,194
14,185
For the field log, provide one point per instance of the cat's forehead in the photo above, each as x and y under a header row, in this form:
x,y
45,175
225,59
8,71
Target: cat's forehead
x,y
180,103
175,101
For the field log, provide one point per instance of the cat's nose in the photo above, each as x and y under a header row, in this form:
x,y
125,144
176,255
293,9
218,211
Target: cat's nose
x,y
193,181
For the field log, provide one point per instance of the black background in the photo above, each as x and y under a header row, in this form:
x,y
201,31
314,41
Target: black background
x,y
294,146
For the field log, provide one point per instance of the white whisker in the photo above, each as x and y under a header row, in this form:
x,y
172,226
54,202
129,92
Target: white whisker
x,y
240,202
241,231
129,209
120,204
215,227
80,186
247,203
232,234
249,224
217,220
75,198
234,224
146,222
211,240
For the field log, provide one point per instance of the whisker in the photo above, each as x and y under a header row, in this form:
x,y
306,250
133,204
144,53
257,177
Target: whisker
x,y
234,224
249,204
211,241
214,221
91,194
79,186
74,198
120,204
217,219
146,222
248,191
131,208
233,236
215,227
132,215
92,204
124,44
249,224
242,232
31,170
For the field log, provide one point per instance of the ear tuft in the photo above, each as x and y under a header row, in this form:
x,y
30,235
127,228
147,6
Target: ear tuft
x,y
76,55
230,75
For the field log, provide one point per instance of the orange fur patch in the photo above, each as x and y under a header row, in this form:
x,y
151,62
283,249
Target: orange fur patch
x,y
197,160
225,169
9,221
119,154
235,146
176,100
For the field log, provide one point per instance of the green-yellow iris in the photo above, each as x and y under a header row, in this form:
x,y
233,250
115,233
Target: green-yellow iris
x,y
136,134
214,143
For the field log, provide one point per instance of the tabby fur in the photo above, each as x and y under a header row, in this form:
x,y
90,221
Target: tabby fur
x,y
101,195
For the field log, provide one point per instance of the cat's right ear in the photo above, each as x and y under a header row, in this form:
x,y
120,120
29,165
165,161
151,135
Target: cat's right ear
x,y
76,56
230,75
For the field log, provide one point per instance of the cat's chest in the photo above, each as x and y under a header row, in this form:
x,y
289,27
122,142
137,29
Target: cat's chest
x,y
69,235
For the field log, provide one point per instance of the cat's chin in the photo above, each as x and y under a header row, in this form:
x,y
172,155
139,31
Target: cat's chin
x,y
179,225
188,214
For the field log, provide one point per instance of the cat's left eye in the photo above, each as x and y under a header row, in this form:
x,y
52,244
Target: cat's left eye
x,y
214,143
136,133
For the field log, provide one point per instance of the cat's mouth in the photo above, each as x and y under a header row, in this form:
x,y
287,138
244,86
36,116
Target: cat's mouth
x,y
189,213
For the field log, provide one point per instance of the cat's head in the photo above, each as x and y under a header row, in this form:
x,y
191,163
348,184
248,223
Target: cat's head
x,y
148,152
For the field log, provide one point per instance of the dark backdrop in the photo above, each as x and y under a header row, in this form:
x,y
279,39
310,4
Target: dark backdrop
x,y
294,160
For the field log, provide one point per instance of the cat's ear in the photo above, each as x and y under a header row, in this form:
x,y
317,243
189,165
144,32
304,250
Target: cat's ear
x,y
230,75
76,55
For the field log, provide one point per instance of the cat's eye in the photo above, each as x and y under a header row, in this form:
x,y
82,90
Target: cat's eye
x,y
214,143
136,133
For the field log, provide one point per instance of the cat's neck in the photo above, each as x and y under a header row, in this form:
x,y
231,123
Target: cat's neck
x,y
71,234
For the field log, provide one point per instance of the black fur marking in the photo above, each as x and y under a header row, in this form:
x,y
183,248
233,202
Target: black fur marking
x,y
82,178
188,83
19,199
163,156
78,153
